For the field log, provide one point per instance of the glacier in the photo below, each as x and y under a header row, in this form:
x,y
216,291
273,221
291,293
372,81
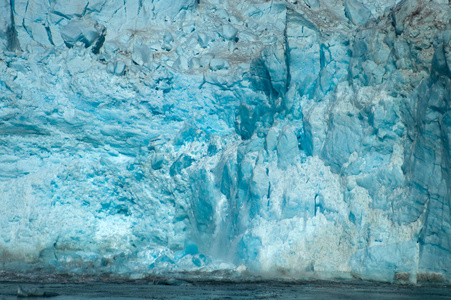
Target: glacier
x,y
294,139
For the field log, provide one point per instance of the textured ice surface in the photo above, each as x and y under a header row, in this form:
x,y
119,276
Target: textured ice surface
x,y
301,138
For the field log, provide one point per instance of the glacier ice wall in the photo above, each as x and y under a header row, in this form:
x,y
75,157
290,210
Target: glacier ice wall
x,y
285,138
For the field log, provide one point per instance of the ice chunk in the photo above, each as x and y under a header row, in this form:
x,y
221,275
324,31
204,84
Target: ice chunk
x,y
303,52
83,30
275,62
172,9
217,64
229,32
70,10
287,148
357,12
116,68
314,4
204,40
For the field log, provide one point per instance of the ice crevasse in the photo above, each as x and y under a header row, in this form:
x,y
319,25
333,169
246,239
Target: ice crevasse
x,y
305,139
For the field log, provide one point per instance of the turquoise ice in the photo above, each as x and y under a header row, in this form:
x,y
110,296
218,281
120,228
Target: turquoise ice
x,y
308,139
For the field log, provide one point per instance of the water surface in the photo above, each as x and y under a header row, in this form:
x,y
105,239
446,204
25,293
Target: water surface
x,y
229,290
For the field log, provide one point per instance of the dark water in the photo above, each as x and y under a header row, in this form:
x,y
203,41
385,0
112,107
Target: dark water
x,y
222,290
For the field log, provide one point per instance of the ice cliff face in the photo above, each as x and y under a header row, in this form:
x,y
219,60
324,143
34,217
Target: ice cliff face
x,y
301,138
